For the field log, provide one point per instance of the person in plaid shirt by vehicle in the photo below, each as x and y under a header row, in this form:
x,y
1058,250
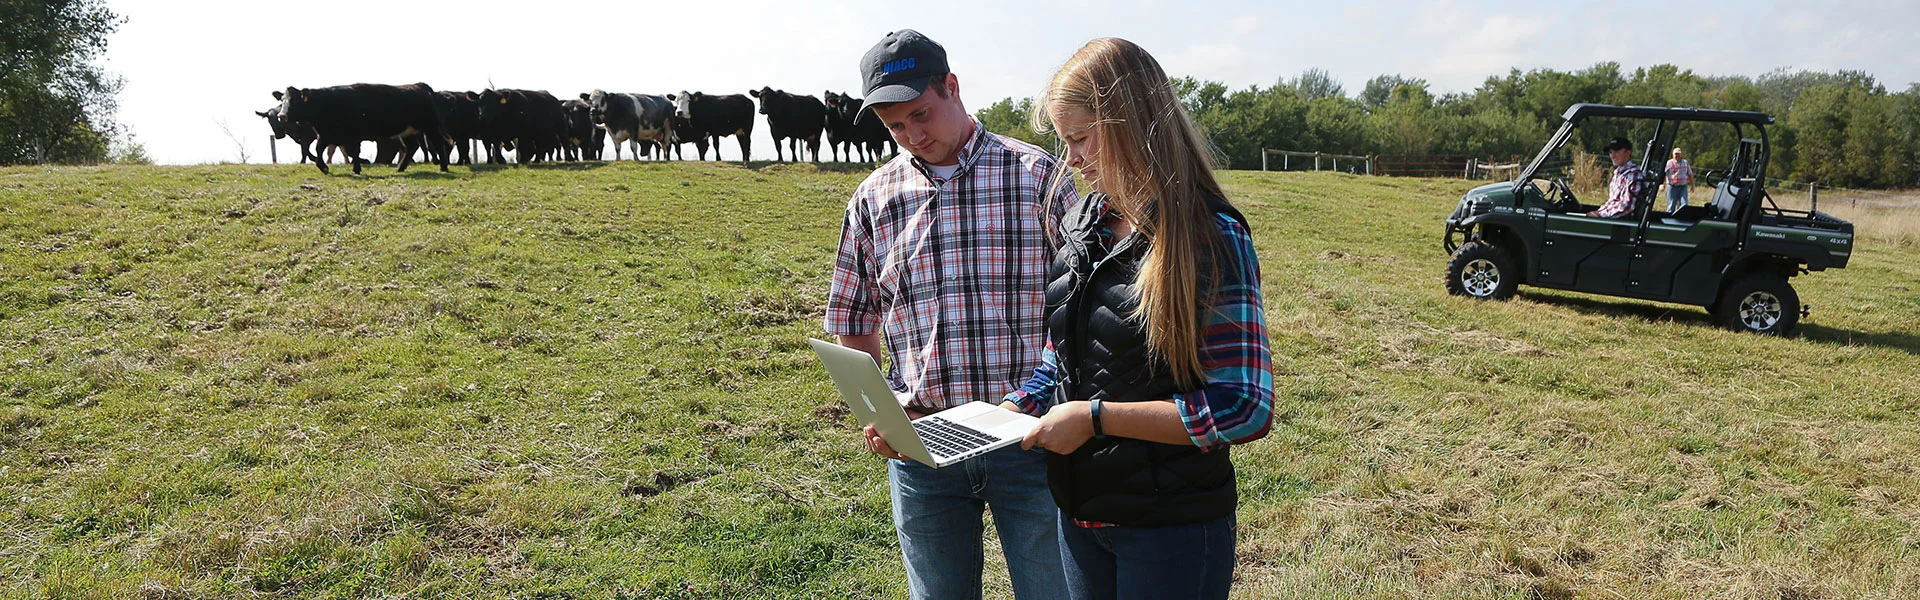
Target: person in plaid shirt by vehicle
x,y
1628,181
943,253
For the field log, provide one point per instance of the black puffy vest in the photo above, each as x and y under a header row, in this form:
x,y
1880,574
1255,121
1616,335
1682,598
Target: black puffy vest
x,y
1103,355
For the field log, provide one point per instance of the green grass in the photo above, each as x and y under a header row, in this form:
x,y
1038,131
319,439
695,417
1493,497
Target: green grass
x,y
592,381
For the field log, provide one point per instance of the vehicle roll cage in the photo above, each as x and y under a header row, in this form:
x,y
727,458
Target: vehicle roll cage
x,y
1663,133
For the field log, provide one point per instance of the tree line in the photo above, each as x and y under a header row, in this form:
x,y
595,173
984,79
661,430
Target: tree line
x,y
56,104
1840,129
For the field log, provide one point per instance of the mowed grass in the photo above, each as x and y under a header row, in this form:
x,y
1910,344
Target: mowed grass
x,y
591,381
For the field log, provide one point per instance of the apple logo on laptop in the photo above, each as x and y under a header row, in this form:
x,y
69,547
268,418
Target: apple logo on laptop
x,y
870,408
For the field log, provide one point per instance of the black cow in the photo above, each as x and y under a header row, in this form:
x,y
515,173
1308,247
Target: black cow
x,y
532,119
683,132
793,118
579,138
876,134
301,133
841,130
387,151
715,117
631,118
345,115
461,111
870,130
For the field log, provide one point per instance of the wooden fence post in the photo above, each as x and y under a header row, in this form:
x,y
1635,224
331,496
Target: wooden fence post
x,y
273,149
1263,159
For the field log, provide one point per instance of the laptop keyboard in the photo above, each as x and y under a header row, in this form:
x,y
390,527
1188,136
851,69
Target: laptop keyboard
x,y
947,438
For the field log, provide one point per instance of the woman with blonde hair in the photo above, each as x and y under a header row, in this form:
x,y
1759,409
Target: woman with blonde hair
x,y
1157,359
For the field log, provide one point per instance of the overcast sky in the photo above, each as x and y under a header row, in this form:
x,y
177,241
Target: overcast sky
x,y
191,66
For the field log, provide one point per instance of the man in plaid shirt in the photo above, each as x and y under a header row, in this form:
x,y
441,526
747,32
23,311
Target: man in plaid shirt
x,y
1628,181
944,251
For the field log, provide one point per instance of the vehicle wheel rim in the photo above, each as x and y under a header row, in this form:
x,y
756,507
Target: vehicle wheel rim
x,y
1480,278
1760,311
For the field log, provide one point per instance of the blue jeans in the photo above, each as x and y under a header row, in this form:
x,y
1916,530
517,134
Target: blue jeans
x,y
1676,198
938,514
1138,563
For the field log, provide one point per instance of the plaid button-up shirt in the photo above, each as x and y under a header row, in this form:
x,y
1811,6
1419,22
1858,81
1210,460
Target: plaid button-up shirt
x,y
951,271
1623,191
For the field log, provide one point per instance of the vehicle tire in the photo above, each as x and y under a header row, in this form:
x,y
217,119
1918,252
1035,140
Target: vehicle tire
x,y
1484,271
1759,303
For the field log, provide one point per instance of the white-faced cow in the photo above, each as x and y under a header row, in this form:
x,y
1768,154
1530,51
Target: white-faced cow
x,y
301,133
716,117
532,119
345,115
793,118
631,118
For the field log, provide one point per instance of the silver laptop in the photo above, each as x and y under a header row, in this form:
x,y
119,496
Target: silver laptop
x,y
937,440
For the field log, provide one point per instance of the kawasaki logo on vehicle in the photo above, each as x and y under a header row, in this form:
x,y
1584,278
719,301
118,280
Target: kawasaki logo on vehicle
x,y
1769,234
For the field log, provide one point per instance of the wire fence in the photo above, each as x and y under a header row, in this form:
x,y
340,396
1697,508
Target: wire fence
x,y
1424,165
1289,160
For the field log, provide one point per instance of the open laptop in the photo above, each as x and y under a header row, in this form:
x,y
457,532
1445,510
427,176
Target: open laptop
x,y
937,440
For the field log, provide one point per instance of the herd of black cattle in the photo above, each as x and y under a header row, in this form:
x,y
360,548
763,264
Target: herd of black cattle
x,y
536,126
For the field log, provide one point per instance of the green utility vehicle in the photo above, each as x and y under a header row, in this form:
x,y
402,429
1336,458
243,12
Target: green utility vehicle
x,y
1731,251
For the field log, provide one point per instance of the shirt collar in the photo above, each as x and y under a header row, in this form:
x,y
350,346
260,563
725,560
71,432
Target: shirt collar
x,y
970,151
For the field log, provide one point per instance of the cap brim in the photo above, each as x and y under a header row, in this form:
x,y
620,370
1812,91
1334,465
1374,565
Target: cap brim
x,y
904,91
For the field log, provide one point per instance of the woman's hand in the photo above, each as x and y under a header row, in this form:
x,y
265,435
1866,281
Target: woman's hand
x,y
1065,427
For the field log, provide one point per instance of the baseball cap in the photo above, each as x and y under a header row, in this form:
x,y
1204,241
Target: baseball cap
x,y
1619,143
899,68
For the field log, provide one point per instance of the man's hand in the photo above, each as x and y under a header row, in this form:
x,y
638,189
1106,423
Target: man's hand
x,y
1063,430
878,445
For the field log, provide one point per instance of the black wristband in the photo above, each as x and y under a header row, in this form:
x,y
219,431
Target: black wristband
x,y
1093,409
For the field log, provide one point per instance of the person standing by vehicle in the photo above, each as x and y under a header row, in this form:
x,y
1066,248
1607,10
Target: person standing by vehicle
x,y
944,251
1628,181
1157,359
1679,176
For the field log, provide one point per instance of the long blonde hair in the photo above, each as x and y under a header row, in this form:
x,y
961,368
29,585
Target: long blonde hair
x,y
1158,171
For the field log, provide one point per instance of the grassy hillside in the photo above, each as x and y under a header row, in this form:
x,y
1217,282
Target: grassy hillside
x,y
592,382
